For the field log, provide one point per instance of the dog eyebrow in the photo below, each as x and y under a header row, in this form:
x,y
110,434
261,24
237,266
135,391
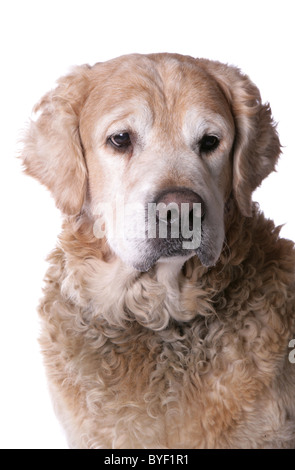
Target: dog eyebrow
x,y
127,118
197,122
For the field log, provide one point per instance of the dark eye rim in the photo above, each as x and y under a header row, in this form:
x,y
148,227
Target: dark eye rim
x,y
209,143
124,144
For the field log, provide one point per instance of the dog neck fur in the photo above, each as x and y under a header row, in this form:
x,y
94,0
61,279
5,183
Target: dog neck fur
x,y
102,287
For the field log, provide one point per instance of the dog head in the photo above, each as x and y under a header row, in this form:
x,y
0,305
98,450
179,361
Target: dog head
x,y
123,138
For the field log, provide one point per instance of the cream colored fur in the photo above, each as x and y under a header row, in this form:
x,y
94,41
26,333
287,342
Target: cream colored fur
x,y
193,352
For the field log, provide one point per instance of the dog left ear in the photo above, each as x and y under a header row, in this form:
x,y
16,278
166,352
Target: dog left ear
x,y
257,146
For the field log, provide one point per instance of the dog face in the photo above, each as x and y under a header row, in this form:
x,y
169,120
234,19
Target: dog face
x,y
127,135
163,131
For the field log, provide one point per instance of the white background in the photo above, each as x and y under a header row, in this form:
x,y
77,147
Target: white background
x,y
39,42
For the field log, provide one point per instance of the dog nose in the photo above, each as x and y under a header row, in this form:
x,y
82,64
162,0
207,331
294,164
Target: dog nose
x,y
180,196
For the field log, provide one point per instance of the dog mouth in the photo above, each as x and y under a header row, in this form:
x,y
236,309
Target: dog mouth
x,y
171,247
206,257
166,230
174,234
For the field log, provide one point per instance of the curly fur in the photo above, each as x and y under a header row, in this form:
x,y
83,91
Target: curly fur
x,y
175,357
197,361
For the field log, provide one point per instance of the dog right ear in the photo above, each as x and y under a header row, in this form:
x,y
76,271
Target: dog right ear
x,y
53,151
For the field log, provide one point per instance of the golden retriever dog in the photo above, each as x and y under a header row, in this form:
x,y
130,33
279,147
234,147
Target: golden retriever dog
x,y
164,341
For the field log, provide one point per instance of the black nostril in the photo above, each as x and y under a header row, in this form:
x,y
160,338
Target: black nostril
x,y
193,214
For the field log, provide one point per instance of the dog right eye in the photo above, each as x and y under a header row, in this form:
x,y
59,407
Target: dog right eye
x,y
120,141
209,143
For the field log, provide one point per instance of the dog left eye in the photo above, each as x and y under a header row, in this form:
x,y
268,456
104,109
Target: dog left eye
x,y
120,141
209,143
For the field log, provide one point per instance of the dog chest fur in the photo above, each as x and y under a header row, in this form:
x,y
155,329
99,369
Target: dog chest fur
x,y
160,366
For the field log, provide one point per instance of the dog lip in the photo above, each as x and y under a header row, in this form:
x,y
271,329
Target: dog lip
x,y
146,263
207,259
